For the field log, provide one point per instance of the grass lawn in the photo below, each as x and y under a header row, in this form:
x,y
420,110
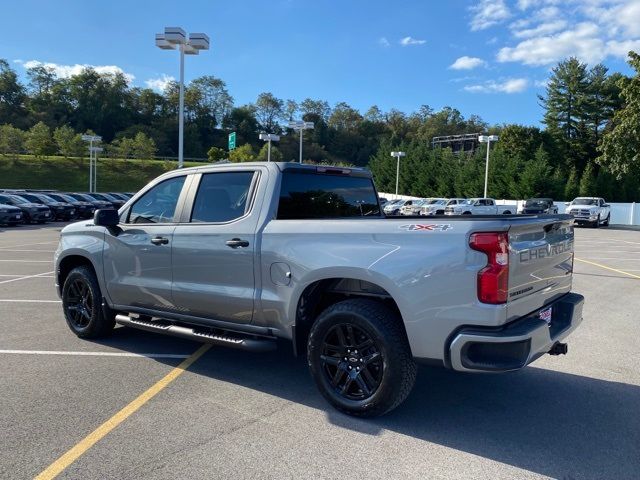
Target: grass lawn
x,y
72,174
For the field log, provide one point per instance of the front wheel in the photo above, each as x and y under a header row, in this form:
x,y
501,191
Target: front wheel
x,y
82,304
606,222
597,223
360,359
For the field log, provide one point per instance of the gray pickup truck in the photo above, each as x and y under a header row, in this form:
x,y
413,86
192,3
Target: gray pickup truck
x,y
243,254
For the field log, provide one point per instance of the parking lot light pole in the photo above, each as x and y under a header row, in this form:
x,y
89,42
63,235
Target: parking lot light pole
x,y
92,152
269,137
487,139
172,38
301,126
397,155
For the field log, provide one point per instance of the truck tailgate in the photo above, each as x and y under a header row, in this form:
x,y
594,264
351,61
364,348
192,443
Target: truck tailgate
x,y
540,263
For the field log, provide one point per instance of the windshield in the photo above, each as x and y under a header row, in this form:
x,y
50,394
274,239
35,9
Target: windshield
x,y
585,201
66,198
537,201
46,198
31,198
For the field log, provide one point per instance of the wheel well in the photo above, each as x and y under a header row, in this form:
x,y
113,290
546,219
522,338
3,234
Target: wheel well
x,y
321,294
69,263
507,212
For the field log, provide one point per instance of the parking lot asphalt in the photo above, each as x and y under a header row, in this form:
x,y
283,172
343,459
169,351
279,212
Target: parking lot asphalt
x,y
233,414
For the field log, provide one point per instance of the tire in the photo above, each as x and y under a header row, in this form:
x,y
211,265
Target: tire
x,y
606,222
467,213
596,224
82,305
367,334
508,212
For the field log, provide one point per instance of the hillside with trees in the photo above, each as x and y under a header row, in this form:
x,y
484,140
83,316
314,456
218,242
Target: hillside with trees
x,y
589,143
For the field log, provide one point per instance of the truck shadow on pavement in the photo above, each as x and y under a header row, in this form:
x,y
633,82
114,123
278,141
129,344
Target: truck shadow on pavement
x,y
551,423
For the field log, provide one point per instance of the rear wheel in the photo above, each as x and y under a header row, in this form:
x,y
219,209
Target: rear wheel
x,y
82,304
360,358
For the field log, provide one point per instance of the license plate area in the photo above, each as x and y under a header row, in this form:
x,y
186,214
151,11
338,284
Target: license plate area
x,y
546,315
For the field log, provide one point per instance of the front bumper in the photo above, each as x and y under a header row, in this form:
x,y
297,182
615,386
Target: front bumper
x,y
11,217
517,344
585,220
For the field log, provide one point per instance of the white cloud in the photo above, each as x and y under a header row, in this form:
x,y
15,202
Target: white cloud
x,y
467,63
542,29
384,42
583,42
621,49
65,71
510,85
541,83
159,84
408,41
488,13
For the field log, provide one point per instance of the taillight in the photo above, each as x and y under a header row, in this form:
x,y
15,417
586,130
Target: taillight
x,y
493,280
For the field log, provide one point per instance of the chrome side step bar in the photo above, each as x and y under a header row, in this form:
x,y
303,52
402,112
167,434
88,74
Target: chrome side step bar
x,y
199,334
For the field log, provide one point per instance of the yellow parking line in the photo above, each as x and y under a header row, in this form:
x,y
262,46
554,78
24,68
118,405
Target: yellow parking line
x,y
609,268
87,442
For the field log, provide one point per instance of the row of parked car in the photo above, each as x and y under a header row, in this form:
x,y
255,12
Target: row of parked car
x,y
592,211
40,206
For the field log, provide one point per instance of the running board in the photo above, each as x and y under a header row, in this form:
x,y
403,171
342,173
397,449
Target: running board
x,y
197,334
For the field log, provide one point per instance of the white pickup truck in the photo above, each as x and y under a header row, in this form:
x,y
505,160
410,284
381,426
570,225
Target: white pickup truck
x,y
592,211
480,206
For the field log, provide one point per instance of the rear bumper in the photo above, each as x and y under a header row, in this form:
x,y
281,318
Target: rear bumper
x,y
515,345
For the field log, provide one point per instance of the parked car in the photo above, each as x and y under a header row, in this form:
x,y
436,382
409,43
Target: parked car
x,y
437,206
480,206
59,210
383,201
10,215
120,196
592,211
393,207
31,212
539,206
413,207
93,201
83,208
116,202
240,255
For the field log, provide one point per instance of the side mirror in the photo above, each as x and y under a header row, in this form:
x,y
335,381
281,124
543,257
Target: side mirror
x,y
106,217
606,205
567,204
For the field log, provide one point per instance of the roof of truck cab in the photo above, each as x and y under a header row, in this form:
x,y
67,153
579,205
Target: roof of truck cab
x,y
283,166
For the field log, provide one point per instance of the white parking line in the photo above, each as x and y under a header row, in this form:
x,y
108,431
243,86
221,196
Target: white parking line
x,y
11,300
95,354
25,250
28,261
25,277
26,245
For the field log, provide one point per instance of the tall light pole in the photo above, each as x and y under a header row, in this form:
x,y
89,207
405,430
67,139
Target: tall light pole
x,y
301,126
93,158
487,139
269,137
176,37
398,155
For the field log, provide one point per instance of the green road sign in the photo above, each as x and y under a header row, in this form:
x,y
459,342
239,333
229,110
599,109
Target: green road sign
x,y
232,141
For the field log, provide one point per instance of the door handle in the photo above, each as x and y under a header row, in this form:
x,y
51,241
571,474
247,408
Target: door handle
x,y
236,242
159,240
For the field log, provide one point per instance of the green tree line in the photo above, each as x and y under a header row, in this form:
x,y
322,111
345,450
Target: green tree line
x,y
589,144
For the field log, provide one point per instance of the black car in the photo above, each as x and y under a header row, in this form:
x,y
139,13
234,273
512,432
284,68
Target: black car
x,y
93,201
10,215
539,206
121,196
31,211
59,210
83,208
116,202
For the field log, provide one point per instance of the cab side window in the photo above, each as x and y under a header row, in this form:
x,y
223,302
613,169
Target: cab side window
x,y
158,205
222,197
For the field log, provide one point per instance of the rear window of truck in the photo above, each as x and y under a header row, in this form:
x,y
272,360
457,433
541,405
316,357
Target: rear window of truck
x,y
311,195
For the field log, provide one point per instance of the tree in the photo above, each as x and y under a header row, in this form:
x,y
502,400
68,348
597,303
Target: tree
x,y
536,179
269,111
122,148
243,153
276,154
38,141
69,143
620,149
588,182
572,189
215,154
12,96
11,139
143,146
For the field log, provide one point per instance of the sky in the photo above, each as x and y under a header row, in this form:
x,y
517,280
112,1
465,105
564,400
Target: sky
x,y
485,57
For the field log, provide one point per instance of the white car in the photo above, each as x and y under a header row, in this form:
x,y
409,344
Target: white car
x,y
592,211
480,206
393,207
413,207
437,206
